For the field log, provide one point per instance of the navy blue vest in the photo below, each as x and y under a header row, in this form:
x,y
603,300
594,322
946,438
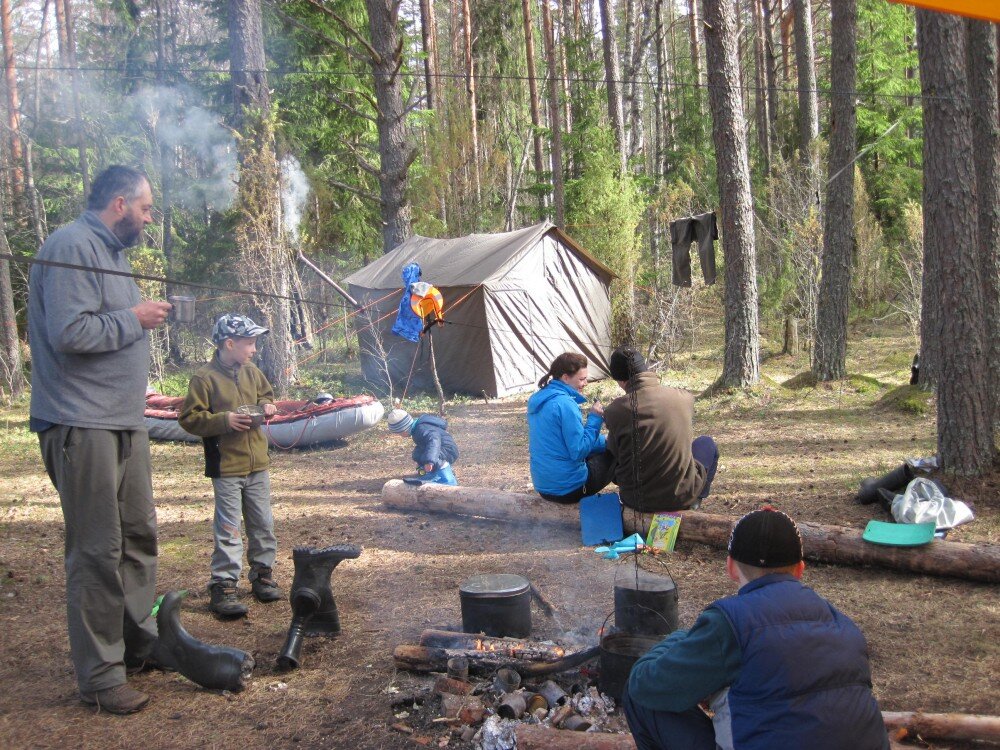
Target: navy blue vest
x,y
804,682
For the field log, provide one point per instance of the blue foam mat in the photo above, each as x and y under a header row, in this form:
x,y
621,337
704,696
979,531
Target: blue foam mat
x,y
601,519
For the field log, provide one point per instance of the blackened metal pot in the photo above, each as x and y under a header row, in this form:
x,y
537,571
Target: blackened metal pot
x,y
497,604
619,653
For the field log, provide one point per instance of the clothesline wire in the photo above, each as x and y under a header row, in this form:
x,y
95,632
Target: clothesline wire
x,y
283,71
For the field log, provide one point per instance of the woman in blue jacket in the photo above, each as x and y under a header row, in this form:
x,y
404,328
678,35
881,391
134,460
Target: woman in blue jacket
x,y
568,460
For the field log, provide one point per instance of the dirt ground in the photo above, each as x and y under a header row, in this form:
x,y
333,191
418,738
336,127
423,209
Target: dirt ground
x,y
934,641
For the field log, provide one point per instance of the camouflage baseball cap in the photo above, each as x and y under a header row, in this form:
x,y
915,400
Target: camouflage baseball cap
x,y
235,326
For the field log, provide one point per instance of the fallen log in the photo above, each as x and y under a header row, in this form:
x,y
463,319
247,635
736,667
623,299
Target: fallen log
x,y
823,543
944,726
433,659
927,726
514,647
536,737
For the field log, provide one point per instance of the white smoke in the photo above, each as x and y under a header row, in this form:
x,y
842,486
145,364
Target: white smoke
x,y
178,123
294,192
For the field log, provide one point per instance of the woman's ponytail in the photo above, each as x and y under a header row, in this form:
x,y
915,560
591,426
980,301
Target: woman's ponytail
x,y
566,363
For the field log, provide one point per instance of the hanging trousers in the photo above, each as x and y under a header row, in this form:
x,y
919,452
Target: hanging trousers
x,y
702,229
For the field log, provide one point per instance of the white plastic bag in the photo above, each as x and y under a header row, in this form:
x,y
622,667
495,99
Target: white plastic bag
x,y
923,502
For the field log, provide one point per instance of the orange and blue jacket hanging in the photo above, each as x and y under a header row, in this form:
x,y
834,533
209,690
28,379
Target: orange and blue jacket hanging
x,y
421,307
428,304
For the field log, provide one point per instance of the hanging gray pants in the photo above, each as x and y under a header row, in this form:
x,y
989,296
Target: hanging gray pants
x,y
247,498
106,491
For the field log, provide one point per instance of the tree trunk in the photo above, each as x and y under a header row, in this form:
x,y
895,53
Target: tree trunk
x,y
81,136
11,370
983,82
470,86
771,72
760,94
821,542
805,62
427,30
741,366
536,120
395,152
830,350
695,32
551,54
612,79
61,32
663,94
13,104
951,231
266,259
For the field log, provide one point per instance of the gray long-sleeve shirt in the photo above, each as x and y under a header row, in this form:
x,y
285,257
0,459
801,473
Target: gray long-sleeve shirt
x,y
89,354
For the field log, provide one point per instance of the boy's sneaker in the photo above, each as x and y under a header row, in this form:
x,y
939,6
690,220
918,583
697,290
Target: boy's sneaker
x,y
224,601
120,699
263,585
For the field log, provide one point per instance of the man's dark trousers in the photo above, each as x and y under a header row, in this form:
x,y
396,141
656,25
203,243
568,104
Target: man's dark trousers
x,y
106,492
662,730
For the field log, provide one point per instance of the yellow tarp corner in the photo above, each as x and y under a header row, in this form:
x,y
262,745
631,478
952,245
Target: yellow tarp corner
x,y
988,10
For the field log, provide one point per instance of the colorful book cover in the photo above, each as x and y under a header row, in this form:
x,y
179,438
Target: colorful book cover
x,y
663,531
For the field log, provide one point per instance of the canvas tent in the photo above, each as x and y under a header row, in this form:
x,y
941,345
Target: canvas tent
x,y
513,302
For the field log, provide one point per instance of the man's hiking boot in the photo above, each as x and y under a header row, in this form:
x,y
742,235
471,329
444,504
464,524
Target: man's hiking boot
x,y
224,601
263,585
120,699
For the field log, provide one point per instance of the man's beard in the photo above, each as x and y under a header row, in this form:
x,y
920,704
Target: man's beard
x,y
128,231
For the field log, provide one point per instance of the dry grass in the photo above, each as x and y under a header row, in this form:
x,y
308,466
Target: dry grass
x,y
933,641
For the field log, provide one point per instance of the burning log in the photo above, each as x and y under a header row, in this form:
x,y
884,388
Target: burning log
x,y
944,726
431,659
513,647
830,544
536,737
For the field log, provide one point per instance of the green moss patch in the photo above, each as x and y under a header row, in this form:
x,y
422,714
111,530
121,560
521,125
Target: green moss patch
x,y
908,399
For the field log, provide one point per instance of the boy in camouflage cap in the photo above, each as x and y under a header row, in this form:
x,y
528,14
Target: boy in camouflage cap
x,y
236,460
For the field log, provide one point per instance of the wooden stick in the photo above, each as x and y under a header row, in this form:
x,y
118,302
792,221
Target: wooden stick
x,y
830,544
543,601
430,659
944,726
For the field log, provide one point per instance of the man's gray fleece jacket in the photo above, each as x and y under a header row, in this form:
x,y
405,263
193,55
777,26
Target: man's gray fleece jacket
x,y
89,354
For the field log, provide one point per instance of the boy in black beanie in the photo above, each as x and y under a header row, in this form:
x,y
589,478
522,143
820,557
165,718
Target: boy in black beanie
x,y
779,666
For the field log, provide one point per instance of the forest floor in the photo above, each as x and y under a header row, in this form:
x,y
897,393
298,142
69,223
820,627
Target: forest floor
x,y
935,642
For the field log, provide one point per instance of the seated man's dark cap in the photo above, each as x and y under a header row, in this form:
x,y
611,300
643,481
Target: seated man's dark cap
x,y
766,538
625,363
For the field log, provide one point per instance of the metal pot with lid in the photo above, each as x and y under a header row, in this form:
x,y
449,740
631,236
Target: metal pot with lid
x,y
497,604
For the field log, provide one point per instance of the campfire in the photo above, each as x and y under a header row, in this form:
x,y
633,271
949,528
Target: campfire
x,y
499,693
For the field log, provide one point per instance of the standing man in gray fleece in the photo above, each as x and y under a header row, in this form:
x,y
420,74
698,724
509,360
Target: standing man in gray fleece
x,y
89,371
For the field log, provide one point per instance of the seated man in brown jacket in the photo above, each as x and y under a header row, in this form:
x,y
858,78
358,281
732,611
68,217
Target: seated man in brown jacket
x,y
659,467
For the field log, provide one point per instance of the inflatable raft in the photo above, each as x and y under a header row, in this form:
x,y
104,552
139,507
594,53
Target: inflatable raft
x,y
297,423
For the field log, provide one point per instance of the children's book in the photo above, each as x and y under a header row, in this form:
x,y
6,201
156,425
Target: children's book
x,y
663,531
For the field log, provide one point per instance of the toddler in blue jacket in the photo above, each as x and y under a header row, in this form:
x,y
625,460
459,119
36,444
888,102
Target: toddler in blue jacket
x,y
435,450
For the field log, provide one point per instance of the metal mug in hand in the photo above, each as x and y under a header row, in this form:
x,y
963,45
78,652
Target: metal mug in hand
x,y
254,411
183,309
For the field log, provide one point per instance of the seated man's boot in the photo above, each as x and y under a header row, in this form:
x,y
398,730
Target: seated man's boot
x,y
120,699
224,602
314,610
263,585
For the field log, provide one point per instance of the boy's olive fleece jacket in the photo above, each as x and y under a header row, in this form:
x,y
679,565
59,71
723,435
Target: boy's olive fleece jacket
x,y
214,391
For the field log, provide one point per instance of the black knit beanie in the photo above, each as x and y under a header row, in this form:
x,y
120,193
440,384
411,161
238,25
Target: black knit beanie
x,y
625,363
766,538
